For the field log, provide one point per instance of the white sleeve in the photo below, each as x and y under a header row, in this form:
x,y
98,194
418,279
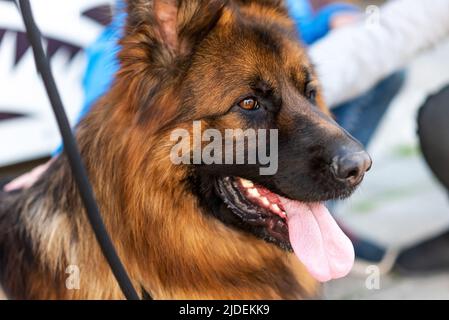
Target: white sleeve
x,y
351,60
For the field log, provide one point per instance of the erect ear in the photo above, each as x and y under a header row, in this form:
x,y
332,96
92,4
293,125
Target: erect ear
x,y
175,24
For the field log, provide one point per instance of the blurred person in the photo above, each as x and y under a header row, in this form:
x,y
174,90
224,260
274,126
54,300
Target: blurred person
x,y
355,61
368,52
351,60
432,255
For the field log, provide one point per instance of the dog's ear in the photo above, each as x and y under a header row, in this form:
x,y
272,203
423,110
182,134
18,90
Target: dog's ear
x,y
159,35
175,24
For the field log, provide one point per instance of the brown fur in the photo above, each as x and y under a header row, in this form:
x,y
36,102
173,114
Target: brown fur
x,y
168,245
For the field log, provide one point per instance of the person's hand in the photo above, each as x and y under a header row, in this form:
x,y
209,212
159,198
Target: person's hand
x,y
26,180
344,19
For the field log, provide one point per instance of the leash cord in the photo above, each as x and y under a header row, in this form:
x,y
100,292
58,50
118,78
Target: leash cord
x,y
73,155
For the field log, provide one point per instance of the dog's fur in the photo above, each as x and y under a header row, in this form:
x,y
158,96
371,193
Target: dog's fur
x,y
180,61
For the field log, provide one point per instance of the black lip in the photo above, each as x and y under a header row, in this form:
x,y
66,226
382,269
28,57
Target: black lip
x,y
260,221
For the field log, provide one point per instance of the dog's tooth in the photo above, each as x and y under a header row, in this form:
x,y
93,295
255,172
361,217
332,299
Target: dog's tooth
x,y
265,201
276,208
246,183
253,193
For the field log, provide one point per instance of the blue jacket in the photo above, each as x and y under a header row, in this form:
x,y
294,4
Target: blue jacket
x,y
311,25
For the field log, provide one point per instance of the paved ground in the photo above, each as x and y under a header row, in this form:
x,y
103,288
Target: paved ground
x,y
391,287
400,203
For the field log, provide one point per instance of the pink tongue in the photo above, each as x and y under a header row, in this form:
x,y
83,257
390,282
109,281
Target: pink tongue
x,y
318,241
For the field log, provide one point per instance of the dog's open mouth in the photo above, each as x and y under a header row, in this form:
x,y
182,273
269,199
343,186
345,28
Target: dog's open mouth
x,y
307,228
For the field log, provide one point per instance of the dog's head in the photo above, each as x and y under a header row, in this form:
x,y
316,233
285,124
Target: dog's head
x,y
218,66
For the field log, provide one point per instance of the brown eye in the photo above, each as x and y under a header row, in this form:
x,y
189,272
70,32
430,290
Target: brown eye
x,y
249,104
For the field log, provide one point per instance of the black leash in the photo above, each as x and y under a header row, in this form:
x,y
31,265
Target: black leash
x,y
73,155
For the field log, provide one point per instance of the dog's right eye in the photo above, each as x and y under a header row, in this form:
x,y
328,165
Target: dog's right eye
x,y
249,104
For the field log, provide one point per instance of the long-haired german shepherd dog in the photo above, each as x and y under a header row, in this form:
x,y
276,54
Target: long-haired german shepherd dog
x,y
193,231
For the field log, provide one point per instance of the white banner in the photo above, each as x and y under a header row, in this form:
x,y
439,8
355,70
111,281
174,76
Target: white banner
x,y
27,127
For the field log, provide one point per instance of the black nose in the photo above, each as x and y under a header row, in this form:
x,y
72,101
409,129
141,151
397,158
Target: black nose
x,y
350,167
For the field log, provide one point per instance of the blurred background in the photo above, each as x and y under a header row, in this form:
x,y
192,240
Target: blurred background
x,y
399,204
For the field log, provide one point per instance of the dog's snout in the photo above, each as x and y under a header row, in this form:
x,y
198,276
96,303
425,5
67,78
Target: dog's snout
x,y
350,167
